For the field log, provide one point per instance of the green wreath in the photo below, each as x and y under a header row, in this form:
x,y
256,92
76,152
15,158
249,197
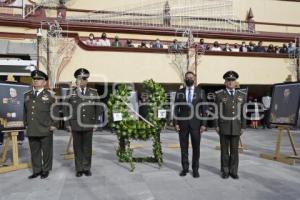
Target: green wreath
x,y
129,128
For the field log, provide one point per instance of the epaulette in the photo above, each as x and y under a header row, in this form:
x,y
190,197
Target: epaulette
x,y
219,91
27,92
51,92
242,92
93,89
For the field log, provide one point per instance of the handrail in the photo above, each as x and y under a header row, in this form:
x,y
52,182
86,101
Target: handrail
x,y
82,45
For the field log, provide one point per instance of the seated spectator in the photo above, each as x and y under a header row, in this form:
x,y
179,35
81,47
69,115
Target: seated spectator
x,y
277,49
104,41
216,47
129,43
203,45
143,45
284,49
271,49
235,48
243,48
251,46
157,44
291,47
174,46
259,48
227,48
116,42
91,41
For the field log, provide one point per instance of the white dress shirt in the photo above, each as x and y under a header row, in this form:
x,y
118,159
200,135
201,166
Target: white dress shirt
x,y
228,90
80,90
38,91
266,100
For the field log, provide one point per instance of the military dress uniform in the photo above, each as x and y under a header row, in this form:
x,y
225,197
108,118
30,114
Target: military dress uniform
x,y
37,120
230,121
82,122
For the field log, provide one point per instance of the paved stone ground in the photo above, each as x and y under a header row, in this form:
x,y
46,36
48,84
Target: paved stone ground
x,y
259,179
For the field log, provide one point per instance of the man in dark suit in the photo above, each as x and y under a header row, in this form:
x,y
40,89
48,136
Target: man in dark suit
x,y
84,100
230,124
39,125
188,121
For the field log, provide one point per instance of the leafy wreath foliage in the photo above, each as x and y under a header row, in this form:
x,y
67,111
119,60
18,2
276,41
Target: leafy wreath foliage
x,y
132,129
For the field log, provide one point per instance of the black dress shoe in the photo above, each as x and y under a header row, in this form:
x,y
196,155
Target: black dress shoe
x,y
44,175
225,175
196,174
183,172
87,173
78,174
34,175
234,176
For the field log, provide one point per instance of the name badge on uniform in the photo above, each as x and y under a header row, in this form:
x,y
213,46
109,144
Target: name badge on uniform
x,y
117,117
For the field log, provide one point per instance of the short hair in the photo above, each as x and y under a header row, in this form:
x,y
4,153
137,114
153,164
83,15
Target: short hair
x,y
189,72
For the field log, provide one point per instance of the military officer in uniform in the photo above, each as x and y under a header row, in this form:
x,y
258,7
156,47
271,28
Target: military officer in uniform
x,y
82,121
39,125
230,124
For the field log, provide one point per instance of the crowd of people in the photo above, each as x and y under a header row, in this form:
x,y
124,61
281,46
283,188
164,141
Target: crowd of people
x,y
176,45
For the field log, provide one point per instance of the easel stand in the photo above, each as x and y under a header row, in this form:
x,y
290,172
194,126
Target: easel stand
x,y
69,154
277,156
242,148
12,138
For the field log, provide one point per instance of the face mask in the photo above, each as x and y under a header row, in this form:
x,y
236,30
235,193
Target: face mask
x,y
189,82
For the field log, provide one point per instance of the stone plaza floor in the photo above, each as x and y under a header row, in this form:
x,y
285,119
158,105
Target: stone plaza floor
x,y
259,178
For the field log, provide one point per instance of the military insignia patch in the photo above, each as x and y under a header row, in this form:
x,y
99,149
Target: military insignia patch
x,y
224,99
45,98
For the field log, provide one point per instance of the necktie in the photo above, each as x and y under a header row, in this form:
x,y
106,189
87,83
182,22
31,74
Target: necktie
x,y
82,91
35,94
231,92
190,96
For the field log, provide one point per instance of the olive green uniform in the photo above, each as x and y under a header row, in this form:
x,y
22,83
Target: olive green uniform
x,y
87,112
230,122
37,120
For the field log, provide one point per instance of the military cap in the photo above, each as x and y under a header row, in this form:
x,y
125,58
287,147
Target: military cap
x,y
37,74
82,73
231,76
